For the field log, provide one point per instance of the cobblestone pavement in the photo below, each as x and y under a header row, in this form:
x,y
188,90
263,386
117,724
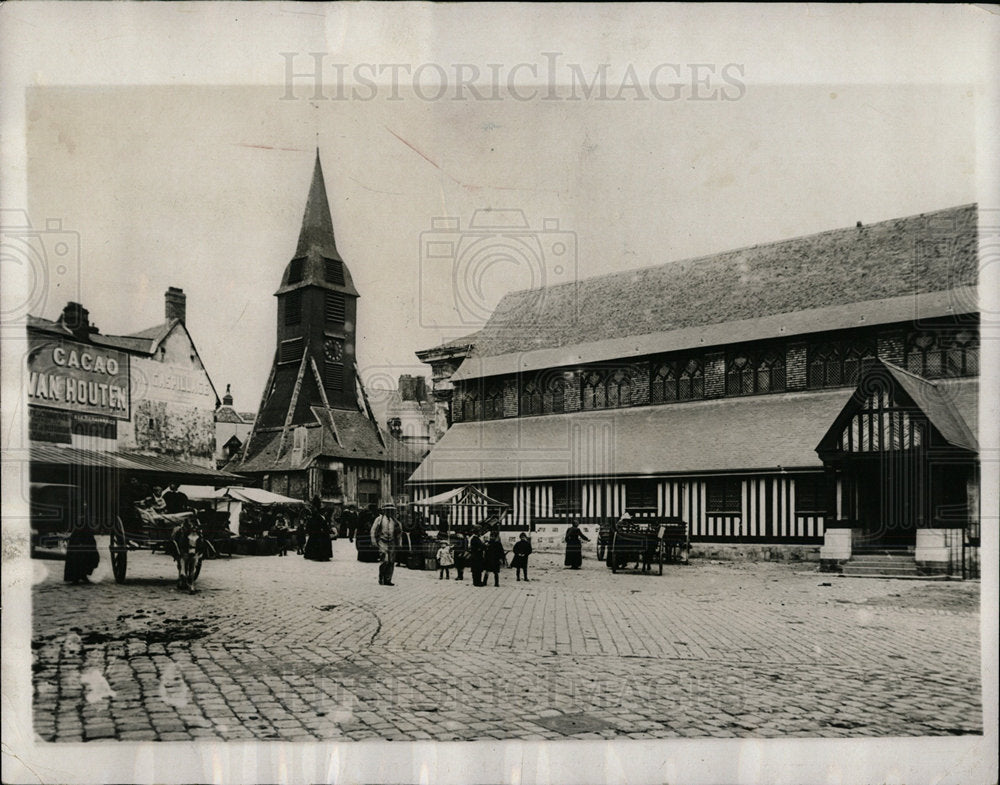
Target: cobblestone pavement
x,y
283,648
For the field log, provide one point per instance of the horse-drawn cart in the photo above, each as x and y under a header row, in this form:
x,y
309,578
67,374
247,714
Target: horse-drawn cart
x,y
180,534
645,542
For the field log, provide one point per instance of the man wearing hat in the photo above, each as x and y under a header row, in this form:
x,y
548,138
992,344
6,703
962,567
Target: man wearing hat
x,y
386,534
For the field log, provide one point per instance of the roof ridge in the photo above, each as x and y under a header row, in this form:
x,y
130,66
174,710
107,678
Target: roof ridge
x,y
716,254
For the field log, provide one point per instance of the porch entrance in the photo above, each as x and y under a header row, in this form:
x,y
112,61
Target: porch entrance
x,y
889,496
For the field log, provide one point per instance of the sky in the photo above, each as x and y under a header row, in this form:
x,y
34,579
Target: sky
x,y
204,187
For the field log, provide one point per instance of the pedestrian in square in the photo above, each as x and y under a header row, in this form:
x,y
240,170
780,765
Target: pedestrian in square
x,y
496,557
281,533
300,535
522,549
386,534
461,550
82,557
318,545
446,559
477,558
574,540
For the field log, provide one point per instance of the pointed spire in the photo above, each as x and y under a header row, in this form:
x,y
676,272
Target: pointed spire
x,y
317,226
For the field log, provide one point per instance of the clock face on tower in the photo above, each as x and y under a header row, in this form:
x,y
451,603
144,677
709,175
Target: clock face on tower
x,y
333,350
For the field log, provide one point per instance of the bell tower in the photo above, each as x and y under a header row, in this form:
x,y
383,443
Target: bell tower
x,y
314,363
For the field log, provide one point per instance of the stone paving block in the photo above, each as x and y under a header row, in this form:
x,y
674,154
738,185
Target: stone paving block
x,y
726,650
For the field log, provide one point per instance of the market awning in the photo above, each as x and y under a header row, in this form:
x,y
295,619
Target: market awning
x,y
258,496
166,470
466,495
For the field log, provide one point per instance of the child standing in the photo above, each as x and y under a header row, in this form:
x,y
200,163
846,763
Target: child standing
x,y
445,559
522,549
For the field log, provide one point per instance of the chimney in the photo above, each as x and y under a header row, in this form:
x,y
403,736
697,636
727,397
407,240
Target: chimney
x,y
227,399
76,319
176,304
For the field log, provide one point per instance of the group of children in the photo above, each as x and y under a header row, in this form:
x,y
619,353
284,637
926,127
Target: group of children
x,y
483,558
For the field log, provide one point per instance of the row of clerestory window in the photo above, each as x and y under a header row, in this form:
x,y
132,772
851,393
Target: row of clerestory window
x,y
829,363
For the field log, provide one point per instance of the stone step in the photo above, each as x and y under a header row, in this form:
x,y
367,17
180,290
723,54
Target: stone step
x,y
897,577
873,561
884,572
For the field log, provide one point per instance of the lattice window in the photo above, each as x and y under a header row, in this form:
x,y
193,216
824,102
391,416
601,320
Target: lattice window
x,y
962,354
725,496
335,307
770,373
663,387
293,307
592,391
493,403
295,270
924,355
618,389
291,351
810,495
554,397
531,399
691,385
825,366
471,405
333,271
739,375
640,495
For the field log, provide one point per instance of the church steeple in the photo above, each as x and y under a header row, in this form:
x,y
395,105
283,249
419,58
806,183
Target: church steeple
x,y
317,226
314,365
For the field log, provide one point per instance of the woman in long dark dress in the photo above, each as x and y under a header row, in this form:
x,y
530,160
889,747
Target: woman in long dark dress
x,y
574,546
82,557
318,545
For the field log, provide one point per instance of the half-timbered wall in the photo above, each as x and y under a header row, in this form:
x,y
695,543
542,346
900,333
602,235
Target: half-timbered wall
x,y
767,510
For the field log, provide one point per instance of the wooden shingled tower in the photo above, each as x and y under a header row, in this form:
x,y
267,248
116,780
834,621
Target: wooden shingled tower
x,y
314,361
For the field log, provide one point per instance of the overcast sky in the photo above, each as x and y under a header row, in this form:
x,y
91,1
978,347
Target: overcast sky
x,y
203,187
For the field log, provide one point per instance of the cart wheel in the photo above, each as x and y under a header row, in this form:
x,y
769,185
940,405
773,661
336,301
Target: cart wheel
x,y
119,551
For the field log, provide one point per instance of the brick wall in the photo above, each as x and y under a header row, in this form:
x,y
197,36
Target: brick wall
x,y
890,347
640,383
573,392
456,402
795,366
715,374
510,396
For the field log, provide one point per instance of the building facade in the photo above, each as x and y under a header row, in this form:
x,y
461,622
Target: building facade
x,y
232,429
719,390
102,408
314,433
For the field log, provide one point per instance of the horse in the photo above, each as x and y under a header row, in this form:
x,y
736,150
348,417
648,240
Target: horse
x,y
189,548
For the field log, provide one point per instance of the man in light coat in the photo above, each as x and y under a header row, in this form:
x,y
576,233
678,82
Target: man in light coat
x,y
386,534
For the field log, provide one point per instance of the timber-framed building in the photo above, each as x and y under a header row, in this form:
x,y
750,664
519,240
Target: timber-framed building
x,y
821,390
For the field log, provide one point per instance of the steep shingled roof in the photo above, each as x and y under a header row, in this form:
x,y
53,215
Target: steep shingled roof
x,y
703,436
336,433
931,252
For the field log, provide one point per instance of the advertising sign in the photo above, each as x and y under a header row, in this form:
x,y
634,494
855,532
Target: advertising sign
x,y
77,377
156,381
